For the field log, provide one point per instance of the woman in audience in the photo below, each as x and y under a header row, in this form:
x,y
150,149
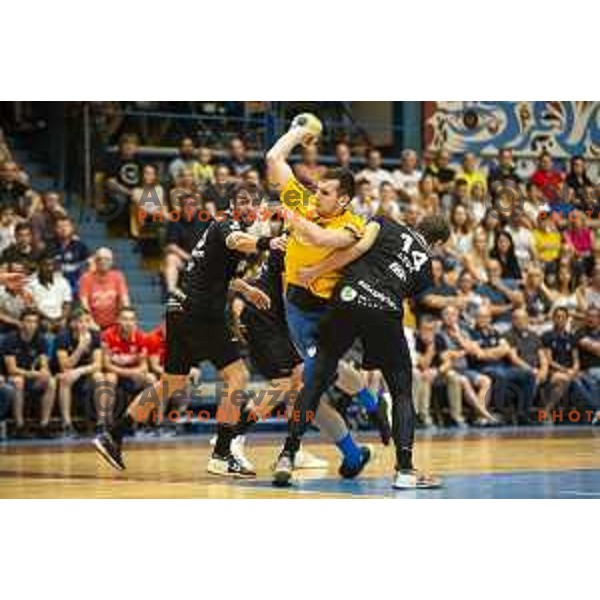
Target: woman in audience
x,y
461,232
148,203
491,225
562,291
475,262
580,239
428,199
522,236
185,186
504,252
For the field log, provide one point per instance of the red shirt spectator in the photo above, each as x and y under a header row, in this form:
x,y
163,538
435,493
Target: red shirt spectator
x,y
547,180
125,349
156,343
103,290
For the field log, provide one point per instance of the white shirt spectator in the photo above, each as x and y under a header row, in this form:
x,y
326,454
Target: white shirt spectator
x,y
50,300
11,305
7,236
407,182
375,177
524,244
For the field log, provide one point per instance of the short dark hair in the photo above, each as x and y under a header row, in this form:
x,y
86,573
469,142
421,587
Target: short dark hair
x,y
23,226
434,228
562,309
345,179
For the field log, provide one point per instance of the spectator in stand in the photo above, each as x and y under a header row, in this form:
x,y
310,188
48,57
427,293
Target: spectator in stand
x,y
518,228
504,252
185,161
69,251
217,194
528,350
43,222
563,290
8,223
470,173
204,172
388,201
343,156
26,360
476,205
14,301
547,243
460,193
580,238
374,173
588,295
407,177
534,206
364,204
148,202
492,225
458,349
578,183
460,242
477,259
548,180
79,359
23,250
103,290
182,236
562,357
309,172
587,385
52,295
504,171
125,357
536,297
502,299
238,162
495,359
123,173
428,199
435,298
473,300
14,192
410,216
431,373
184,186
441,172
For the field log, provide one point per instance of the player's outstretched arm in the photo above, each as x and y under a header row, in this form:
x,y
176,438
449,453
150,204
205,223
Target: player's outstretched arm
x,y
338,260
317,236
251,244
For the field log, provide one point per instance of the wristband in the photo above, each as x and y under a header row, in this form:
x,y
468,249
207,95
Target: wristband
x,y
263,243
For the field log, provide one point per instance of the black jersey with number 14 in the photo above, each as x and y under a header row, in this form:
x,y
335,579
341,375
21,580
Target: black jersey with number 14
x,y
397,266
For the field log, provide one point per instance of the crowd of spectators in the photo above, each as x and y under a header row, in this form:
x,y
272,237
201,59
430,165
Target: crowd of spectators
x,y
510,324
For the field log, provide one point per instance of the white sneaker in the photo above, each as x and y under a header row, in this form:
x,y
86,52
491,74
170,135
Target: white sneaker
x,y
413,480
237,449
306,460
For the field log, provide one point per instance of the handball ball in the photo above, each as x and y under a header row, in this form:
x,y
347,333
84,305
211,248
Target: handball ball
x,y
309,122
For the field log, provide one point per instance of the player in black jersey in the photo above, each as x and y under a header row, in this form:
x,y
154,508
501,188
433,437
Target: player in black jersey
x,y
390,263
197,330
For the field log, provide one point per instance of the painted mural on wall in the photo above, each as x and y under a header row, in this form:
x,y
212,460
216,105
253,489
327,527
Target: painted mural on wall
x,y
563,128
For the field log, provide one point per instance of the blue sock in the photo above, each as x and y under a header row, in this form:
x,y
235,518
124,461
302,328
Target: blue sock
x,y
349,449
367,400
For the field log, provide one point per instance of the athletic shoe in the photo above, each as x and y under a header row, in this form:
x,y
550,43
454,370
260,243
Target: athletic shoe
x,y
69,432
228,466
306,460
237,449
282,472
348,471
379,419
413,480
109,450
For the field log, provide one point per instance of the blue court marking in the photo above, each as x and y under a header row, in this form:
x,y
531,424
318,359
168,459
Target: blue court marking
x,y
583,483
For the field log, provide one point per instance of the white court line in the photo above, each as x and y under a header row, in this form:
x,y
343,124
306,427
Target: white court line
x,y
577,493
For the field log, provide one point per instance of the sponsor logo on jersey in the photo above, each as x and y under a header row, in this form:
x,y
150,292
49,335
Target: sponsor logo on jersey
x,y
348,293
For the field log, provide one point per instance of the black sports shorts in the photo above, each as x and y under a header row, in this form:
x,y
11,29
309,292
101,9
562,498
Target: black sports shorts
x,y
270,346
193,338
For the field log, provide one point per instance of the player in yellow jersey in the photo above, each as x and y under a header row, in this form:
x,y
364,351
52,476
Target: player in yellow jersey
x,y
306,304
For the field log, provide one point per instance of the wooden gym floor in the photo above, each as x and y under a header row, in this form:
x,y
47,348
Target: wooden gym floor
x,y
557,462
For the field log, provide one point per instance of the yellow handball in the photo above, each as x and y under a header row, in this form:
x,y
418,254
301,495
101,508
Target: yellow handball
x,y
309,122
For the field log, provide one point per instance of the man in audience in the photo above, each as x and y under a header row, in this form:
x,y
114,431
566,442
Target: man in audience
x,y
216,195
43,222
587,384
70,252
26,360
563,359
8,222
51,295
238,161
79,358
103,290
23,250
470,173
343,156
374,172
439,295
495,360
14,301
185,160
125,357
14,192
441,171
407,177
547,179
309,172
504,171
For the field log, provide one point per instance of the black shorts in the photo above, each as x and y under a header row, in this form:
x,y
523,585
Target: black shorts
x,y
270,346
193,338
381,334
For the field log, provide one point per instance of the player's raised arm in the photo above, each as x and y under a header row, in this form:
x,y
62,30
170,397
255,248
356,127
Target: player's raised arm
x,y
305,128
338,260
247,243
329,238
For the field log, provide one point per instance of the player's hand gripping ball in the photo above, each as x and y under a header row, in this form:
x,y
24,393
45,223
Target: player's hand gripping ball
x,y
310,124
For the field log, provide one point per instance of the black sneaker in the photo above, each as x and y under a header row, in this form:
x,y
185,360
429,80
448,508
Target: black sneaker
x,y
110,450
282,471
351,471
379,419
22,433
228,466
